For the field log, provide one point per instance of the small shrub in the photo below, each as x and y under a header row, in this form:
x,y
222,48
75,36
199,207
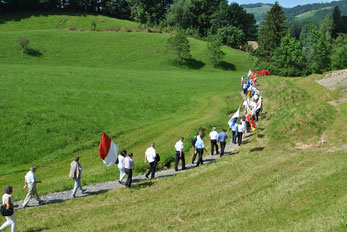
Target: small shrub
x,y
93,25
179,46
214,50
23,42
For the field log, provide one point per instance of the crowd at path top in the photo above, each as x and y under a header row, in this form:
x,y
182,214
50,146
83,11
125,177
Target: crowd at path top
x,y
252,108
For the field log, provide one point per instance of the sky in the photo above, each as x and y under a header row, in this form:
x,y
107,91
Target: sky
x,y
284,3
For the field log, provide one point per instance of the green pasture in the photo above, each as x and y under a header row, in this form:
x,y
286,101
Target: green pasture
x,y
269,184
56,101
63,20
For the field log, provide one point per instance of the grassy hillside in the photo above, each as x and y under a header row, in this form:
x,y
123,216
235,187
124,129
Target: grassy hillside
x,y
271,184
56,102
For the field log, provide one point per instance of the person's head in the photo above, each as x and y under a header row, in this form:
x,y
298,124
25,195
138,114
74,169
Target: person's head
x,y
153,145
8,189
182,139
131,155
223,130
33,168
77,158
201,134
124,153
243,117
214,129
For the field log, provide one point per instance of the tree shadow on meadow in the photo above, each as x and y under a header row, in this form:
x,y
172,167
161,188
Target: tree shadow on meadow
x,y
33,52
191,64
226,66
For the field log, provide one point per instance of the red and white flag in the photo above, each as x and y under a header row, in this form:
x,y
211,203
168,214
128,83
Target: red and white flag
x,y
108,150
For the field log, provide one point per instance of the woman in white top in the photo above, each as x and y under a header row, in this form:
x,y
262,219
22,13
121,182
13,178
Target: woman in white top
x,y
121,156
8,201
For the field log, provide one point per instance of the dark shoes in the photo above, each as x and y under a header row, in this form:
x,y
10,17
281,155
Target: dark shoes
x,y
146,176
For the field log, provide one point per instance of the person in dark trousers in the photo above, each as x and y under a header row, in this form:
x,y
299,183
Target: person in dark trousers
x,y
200,147
128,167
222,136
179,154
240,133
193,146
214,140
234,130
150,156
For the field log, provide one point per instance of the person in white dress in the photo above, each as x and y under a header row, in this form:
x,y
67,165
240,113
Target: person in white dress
x,y
122,173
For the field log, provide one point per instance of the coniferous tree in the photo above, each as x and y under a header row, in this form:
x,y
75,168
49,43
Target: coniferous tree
x,y
337,21
273,29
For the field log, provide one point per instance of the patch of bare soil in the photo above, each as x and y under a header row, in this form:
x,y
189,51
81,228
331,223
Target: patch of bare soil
x,y
336,81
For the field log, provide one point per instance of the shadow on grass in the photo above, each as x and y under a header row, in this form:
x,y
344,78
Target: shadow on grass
x,y
257,149
142,185
18,15
37,229
261,136
191,64
226,66
33,52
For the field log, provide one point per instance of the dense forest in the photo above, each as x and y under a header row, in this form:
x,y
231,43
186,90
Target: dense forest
x,y
199,18
301,49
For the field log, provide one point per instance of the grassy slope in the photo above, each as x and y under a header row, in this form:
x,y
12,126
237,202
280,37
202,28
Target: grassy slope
x,y
55,105
268,185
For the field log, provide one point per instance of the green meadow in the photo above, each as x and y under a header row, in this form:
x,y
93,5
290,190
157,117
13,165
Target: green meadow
x,y
272,183
56,102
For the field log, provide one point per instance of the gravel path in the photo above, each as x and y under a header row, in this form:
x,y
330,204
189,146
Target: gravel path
x,y
102,187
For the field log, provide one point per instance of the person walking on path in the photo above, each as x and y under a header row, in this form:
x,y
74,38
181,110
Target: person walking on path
x,y
193,145
214,137
179,154
75,174
222,136
122,173
241,130
150,156
30,183
234,130
200,147
128,164
7,200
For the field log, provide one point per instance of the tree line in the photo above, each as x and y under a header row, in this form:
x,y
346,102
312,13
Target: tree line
x,y
310,49
198,17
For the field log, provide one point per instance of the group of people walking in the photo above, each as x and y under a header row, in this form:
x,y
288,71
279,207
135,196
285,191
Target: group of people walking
x,y
252,105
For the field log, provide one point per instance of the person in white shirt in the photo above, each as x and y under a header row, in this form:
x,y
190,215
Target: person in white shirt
x,y
150,156
128,164
214,139
193,145
241,129
122,173
7,200
179,154
30,183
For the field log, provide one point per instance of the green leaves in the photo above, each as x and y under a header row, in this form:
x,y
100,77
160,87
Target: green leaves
x,y
179,46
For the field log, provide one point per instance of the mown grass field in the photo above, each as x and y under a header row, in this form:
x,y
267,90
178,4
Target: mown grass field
x,y
272,183
55,103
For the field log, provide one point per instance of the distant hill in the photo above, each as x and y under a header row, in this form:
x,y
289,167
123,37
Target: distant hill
x,y
309,12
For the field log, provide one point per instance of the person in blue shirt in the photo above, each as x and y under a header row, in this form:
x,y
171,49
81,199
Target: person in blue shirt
x,y
199,148
234,129
222,136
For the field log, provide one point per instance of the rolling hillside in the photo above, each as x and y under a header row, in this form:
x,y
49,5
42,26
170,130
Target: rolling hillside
x,y
56,102
284,179
309,12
